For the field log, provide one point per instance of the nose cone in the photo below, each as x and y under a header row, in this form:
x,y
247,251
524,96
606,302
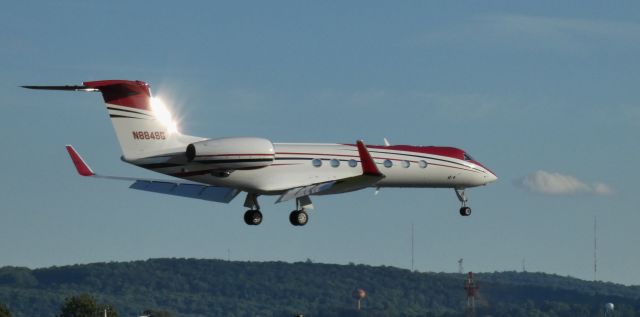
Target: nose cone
x,y
490,178
487,177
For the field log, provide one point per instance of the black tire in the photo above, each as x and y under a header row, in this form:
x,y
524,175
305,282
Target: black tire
x,y
247,217
253,217
298,218
292,217
256,217
465,211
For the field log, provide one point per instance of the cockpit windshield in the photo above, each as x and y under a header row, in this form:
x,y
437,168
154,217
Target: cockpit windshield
x,y
468,157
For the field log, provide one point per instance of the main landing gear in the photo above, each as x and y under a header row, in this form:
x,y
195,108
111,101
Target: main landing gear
x,y
464,210
253,216
298,217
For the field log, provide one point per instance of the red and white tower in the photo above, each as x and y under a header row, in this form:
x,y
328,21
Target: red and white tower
x,y
472,288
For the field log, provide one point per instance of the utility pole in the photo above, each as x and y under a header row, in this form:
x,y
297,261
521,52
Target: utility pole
x,y
412,248
595,248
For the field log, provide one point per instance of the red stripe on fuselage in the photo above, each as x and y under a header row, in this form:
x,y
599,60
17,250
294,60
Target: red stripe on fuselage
x,y
262,154
447,151
466,168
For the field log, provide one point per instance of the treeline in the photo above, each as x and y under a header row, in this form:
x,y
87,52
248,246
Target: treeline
x,y
190,287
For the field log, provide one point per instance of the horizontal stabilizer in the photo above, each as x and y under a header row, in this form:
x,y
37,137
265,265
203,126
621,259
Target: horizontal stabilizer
x,y
204,192
184,189
67,87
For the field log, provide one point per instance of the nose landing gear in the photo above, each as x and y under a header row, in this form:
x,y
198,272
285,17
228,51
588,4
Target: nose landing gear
x,y
464,210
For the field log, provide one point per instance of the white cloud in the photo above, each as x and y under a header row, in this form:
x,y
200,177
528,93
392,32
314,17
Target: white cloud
x,y
559,184
602,189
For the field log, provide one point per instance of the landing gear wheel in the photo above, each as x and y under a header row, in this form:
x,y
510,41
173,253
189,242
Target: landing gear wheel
x,y
465,211
253,217
298,217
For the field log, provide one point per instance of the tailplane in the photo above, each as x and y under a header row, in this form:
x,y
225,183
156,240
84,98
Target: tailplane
x,y
143,125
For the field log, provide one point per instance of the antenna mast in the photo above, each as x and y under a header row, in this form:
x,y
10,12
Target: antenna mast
x,y
412,249
595,248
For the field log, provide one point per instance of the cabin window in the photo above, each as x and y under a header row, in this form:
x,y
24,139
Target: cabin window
x,y
353,163
406,164
316,162
335,163
388,163
423,164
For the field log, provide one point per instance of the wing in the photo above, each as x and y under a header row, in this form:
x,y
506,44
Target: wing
x,y
204,192
370,176
305,191
183,189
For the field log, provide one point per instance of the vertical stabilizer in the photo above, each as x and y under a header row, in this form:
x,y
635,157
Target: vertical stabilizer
x,y
143,125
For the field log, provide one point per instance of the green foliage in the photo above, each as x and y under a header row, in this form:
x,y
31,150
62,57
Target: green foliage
x,y
17,276
84,305
193,288
4,311
157,313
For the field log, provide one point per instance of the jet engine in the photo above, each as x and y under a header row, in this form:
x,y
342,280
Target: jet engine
x,y
232,153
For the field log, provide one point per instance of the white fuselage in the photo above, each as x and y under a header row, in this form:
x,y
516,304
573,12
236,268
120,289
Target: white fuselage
x,y
294,166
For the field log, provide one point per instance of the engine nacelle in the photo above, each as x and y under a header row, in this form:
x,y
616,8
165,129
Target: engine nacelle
x,y
232,153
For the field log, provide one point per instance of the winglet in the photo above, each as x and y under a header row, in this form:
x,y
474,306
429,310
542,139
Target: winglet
x,y
368,165
81,166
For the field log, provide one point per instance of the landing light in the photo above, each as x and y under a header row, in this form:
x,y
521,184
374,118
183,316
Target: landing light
x,y
162,114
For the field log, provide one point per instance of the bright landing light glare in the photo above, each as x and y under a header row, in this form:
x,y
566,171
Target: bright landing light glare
x,y
162,114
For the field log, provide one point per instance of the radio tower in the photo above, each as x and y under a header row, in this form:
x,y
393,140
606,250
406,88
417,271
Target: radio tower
x,y
472,288
460,268
412,247
595,248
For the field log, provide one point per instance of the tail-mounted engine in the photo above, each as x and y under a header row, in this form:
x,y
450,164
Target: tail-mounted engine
x,y
232,153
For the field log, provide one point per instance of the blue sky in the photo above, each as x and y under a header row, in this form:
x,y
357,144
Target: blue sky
x,y
545,95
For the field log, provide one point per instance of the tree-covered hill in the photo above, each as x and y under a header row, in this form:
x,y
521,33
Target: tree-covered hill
x,y
190,287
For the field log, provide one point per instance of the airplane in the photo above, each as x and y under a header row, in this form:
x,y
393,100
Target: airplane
x,y
218,169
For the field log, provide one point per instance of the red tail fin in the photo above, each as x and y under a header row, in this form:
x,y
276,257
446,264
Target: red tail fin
x,y
126,93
